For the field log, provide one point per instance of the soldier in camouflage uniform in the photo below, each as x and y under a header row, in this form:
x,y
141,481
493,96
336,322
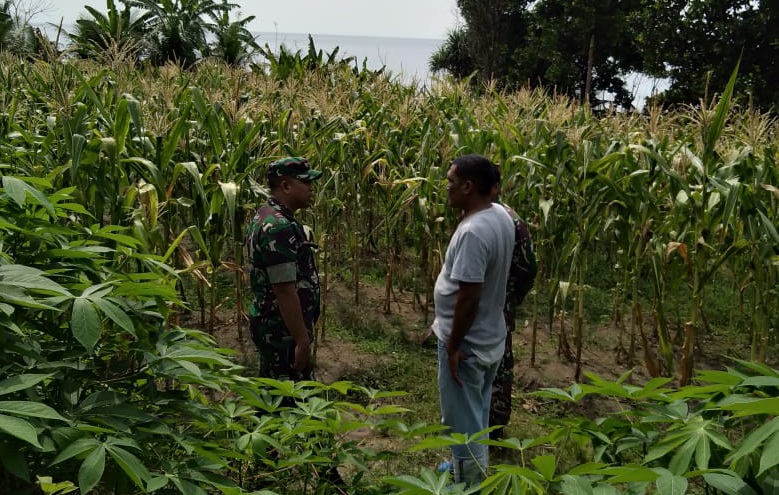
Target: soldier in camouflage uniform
x,y
283,276
522,274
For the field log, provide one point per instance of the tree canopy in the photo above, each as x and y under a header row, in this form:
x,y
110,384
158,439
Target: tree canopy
x,y
114,31
587,49
161,31
17,33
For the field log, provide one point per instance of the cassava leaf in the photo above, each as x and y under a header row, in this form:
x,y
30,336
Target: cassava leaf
x,y
85,323
91,470
31,409
20,429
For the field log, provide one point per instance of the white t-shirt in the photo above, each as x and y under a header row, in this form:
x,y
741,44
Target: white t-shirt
x,y
479,251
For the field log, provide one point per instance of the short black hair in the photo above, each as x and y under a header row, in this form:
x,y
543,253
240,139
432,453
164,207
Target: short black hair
x,y
274,181
496,171
477,169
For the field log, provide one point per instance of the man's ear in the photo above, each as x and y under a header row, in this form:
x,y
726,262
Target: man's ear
x,y
467,186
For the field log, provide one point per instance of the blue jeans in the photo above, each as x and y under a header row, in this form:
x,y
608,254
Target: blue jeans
x,y
466,410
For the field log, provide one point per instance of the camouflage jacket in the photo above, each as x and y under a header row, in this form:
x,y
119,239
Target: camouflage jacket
x,y
522,273
279,251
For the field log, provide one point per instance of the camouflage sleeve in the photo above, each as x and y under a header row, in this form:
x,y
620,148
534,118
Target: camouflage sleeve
x,y
280,253
523,264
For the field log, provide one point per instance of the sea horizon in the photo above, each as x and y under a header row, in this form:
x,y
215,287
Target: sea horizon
x,y
405,57
335,35
408,58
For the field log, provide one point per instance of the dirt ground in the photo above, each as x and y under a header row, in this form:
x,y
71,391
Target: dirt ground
x,y
330,354
603,353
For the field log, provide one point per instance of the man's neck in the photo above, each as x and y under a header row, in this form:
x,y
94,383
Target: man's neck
x,y
282,202
476,205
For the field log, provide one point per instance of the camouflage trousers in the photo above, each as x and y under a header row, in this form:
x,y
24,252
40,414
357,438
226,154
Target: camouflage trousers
x,y
500,405
276,350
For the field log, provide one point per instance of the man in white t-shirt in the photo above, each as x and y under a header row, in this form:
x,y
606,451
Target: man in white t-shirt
x,y
470,293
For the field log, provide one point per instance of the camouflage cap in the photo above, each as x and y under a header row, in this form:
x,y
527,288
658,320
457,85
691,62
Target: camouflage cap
x,y
293,166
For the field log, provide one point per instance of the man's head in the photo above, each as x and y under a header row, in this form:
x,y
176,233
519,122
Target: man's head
x,y
470,180
496,186
290,180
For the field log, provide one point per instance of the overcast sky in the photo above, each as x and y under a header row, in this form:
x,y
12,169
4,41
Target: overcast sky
x,y
393,18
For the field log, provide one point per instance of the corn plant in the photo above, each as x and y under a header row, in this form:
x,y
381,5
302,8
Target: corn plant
x,y
179,157
635,205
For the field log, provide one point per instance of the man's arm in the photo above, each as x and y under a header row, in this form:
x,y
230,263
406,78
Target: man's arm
x,y
292,314
465,310
527,277
523,265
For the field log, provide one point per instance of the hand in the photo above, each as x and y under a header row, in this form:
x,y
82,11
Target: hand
x,y
454,358
426,336
302,355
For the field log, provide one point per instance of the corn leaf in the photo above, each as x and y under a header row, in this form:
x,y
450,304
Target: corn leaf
x,y
18,190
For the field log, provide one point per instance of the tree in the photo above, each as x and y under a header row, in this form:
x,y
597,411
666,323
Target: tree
x,y
17,34
113,32
485,44
580,48
495,29
6,22
586,49
709,37
454,55
178,28
235,44
576,47
763,65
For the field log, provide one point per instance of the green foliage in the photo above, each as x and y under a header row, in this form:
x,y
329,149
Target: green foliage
x,y
284,64
18,34
97,387
177,29
586,49
6,21
580,49
597,37
494,29
113,33
453,56
616,205
235,44
656,440
706,38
